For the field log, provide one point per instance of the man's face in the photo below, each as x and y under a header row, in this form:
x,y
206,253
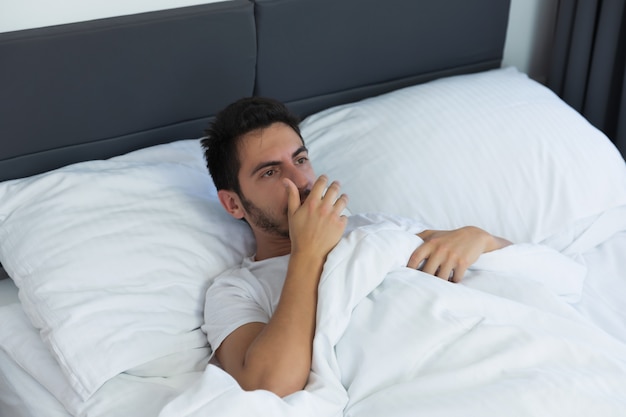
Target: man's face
x,y
267,156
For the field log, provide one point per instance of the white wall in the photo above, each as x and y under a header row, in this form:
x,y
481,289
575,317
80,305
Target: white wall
x,y
529,38
527,46
26,14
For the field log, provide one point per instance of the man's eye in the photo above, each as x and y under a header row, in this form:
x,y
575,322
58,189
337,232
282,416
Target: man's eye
x,y
302,160
269,173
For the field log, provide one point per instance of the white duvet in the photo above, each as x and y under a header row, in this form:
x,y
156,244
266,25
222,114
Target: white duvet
x,y
397,342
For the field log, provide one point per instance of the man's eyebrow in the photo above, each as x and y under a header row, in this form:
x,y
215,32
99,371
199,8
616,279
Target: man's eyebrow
x,y
266,164
299,151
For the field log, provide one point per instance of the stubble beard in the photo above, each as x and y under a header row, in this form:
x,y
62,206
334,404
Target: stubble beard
x,y
264,220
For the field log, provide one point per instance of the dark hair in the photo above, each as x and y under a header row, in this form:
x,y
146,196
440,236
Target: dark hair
x,y
232,123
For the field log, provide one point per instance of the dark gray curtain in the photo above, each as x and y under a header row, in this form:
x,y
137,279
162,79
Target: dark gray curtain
x,y
589,63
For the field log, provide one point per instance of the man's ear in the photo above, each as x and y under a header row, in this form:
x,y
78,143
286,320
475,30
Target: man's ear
x,y
231,203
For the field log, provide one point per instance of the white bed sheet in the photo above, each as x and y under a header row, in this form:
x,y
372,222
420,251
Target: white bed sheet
x,y
122,396
605,286
8,290
22,396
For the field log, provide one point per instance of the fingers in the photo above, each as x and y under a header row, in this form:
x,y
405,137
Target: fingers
x,y
417,259
457,274
339,203
437,263
316,223
317,192
440,268
293,196
329,195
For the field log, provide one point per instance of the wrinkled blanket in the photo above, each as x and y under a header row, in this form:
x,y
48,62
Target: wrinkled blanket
x,y
394,341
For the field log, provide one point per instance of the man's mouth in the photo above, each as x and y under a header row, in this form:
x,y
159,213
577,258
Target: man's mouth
x,y
304,194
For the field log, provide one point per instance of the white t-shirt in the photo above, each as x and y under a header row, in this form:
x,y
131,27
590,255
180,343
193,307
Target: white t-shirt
x,y
250,292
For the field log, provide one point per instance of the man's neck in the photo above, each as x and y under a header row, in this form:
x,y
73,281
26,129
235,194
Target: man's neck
x,y
271,246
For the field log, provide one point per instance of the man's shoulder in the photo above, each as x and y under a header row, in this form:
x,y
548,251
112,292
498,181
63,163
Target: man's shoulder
x,y
250,272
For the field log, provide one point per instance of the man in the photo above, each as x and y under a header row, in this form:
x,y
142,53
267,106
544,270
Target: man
x,y
260,317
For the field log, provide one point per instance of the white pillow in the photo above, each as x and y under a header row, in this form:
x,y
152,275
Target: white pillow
x,y
112,258
493,149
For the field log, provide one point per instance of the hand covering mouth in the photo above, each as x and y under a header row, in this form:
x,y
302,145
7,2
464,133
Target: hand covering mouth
x,y
304,194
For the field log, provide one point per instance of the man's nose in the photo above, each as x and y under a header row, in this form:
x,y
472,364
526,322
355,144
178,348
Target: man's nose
x,y
298,177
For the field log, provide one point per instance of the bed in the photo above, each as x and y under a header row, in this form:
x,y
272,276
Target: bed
x,y
111,231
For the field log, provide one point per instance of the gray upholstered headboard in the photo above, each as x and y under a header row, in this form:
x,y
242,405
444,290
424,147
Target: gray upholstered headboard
x,y
318,53
101,88
97,89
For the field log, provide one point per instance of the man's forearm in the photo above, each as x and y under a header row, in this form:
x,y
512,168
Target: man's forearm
x,y
279,359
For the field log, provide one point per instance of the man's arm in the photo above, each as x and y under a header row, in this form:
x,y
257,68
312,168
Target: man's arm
x,y
277,356
448,253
